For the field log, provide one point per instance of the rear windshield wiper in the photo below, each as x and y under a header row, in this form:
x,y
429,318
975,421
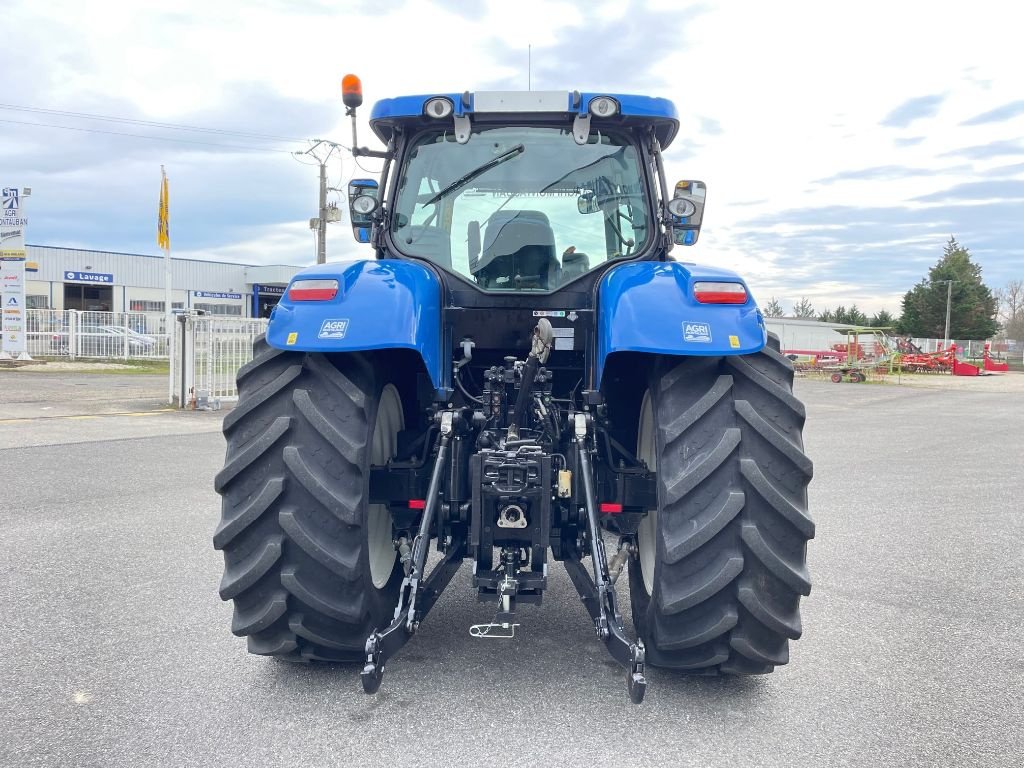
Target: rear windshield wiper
x,y
459,183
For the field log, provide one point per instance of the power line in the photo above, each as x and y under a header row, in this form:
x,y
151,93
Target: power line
x,y
245,147
149,123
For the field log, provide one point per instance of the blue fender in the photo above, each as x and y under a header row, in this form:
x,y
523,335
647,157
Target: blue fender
x,y
649,306
381,304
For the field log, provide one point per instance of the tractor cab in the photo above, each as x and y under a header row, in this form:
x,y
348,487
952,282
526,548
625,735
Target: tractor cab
x,y
522,192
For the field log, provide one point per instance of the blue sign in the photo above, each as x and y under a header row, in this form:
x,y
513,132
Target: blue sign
x,y
215,295
270,290
90,277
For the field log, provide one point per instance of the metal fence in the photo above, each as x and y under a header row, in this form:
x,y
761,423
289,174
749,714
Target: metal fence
x,y
208,351
964,349
73,334
1001,350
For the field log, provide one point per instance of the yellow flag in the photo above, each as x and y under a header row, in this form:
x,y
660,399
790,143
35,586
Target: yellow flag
x,y
163,227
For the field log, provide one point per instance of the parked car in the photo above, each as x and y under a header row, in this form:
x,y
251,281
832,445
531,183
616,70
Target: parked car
x,y
136,341
101,341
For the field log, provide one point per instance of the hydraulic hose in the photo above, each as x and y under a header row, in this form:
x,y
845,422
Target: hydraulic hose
x,y
540,348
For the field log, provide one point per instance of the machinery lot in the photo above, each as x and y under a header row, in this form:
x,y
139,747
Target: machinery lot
x,y
118,652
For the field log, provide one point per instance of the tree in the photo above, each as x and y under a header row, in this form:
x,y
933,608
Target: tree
x,y
803,309
839,316
1011,309
855,317
773,308
826,316
882,320
974,307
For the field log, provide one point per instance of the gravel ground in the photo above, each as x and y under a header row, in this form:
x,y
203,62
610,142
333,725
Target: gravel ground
x,y
118,653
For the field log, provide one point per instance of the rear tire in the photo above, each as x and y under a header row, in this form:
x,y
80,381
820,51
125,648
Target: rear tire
x,y
722,562
308,562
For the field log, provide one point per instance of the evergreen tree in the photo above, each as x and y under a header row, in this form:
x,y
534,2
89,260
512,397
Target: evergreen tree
x,y
855,317
839,316
826,316
973,307
773,308
803,309
883,320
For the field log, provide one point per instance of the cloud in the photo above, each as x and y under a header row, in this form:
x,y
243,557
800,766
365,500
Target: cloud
x,y
710,126
910,141
977,191
598,50
881,173
1007,170
272,244
999,114
914,109
1001,148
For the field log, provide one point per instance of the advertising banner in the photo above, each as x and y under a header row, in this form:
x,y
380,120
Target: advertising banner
x,y
12,272
12,305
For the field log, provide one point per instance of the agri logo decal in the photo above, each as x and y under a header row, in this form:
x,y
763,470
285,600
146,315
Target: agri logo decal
x,y
10,200
697,332
333,329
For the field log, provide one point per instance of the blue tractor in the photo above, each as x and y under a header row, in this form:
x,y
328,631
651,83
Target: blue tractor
x,y
519,373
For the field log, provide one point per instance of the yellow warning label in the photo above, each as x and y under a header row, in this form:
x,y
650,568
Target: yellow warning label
x,y
734,342
293,337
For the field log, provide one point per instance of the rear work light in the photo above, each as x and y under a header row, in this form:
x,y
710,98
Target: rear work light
x,y
720,293
313,290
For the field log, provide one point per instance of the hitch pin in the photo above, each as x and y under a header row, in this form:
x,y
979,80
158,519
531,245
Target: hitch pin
x,y
485,630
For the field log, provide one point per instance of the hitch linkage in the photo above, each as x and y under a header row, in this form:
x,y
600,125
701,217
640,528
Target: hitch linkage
x,y
418,594
599,595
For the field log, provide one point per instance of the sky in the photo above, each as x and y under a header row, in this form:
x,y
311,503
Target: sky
x,y
842,143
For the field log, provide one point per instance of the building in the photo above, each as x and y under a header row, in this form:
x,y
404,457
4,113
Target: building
x,y
72,278
806,335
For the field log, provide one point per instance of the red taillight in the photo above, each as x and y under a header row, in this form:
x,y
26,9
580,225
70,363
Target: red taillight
x,y
610,508
417,503
313,290
720,293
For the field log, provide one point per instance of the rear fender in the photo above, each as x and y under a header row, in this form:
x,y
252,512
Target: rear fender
x,y
380,304
649,307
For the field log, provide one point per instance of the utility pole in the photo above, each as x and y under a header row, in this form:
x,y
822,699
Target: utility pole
x,y
321,237
949,306
321,221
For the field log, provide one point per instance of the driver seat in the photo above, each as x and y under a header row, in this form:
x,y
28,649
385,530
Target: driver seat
x,y
518,252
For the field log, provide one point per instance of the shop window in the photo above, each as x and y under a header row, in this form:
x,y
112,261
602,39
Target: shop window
x,y
220,309
139,305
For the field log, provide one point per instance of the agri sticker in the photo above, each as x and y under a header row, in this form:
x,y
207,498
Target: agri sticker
x,y
697,332
333,329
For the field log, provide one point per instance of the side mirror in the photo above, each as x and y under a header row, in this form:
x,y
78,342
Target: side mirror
x,y
362,202
587,203
686,210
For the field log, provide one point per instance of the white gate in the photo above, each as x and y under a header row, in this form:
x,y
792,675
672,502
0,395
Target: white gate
x,y
208,351
106,335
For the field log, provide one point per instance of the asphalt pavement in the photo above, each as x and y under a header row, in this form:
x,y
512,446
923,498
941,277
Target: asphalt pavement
x,y
117,649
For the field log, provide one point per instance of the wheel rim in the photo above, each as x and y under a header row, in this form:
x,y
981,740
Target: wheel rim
x,y
647,451
381,549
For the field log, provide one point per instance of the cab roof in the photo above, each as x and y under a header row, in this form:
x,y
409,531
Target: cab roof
x,y
633,110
